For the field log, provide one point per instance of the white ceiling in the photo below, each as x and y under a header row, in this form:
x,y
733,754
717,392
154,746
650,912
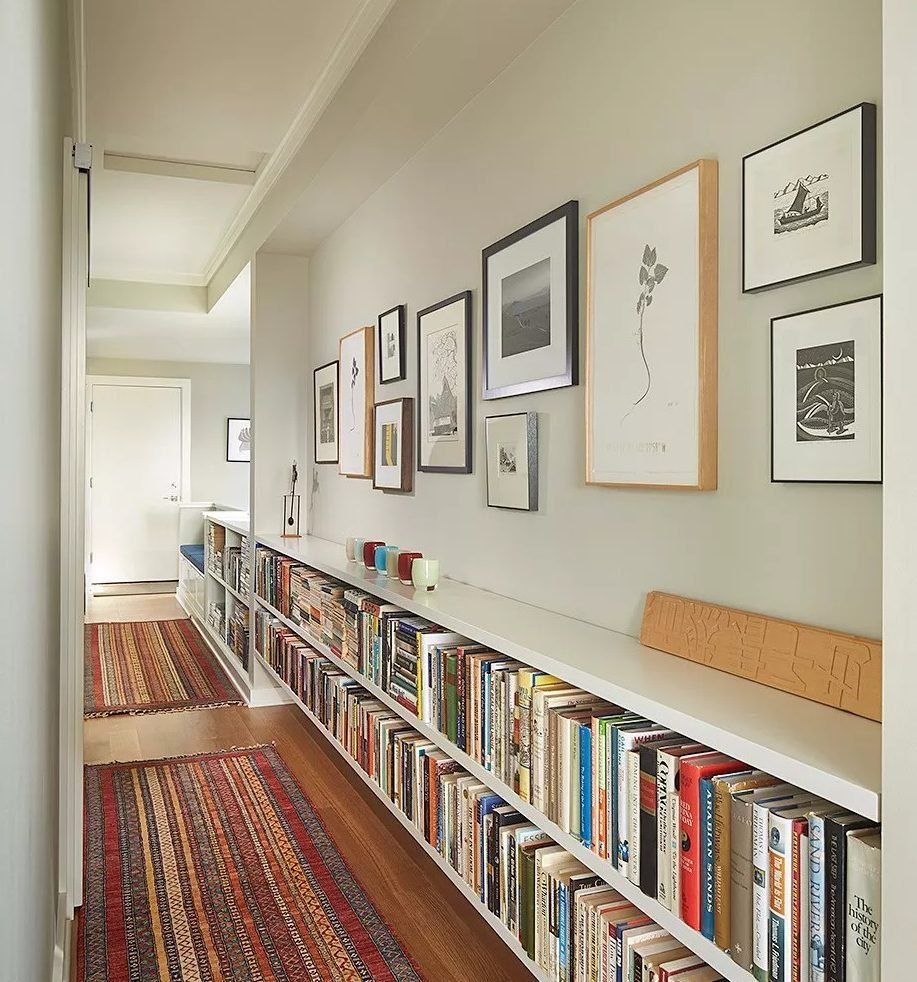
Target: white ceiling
x,y
222,335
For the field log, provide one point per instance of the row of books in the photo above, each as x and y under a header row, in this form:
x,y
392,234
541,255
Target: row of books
x,y
568,920
676,818
237,633
216,540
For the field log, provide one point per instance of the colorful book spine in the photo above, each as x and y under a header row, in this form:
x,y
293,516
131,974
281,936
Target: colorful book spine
x,y
818,936
586,760
707,923
864,902
782,918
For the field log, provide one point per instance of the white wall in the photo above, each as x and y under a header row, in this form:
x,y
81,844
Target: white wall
x,y
611,97
33,65
217,392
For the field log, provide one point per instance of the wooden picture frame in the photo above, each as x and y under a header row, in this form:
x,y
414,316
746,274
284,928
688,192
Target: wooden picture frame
x,y
530,306
810,174
326,420
675,442
445,448
357,377
393,322
396,473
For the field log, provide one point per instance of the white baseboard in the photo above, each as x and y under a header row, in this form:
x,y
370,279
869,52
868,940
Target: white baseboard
x,y
63,933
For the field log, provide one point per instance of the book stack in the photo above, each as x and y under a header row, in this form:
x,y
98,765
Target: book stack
x,y
232,565
216,540
237,633
244,584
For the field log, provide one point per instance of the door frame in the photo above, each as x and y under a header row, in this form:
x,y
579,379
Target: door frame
x,y
184,387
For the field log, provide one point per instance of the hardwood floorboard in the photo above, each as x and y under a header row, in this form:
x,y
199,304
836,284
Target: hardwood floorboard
x,y
442,931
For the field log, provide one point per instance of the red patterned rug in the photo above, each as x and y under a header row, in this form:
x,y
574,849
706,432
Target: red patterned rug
x,y
151,667
214,868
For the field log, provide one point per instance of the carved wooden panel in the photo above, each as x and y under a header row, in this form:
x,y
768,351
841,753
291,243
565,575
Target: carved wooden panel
x,y
838,670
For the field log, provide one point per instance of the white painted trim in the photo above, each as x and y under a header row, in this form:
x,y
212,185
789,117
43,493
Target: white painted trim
x,y
353,42
185,169
138,295
76,28
72,531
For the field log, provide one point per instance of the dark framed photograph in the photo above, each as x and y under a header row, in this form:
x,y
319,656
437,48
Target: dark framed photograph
x,y
325,396
826,394
531,306
512,461
238,440
392,345
809,202
444,434
393,468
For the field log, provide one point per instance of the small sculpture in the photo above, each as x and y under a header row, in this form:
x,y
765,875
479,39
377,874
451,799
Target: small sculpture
x,y
291,508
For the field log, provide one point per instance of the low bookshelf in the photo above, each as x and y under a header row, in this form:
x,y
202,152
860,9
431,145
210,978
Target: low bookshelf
x,y
824,751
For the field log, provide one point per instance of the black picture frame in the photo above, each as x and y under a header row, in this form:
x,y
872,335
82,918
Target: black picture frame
x,y
568,213
815,310
337,412
868,231
229,421
465,297
401,311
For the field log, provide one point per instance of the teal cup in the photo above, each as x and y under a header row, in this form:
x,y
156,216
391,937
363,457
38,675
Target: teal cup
x,y
380,559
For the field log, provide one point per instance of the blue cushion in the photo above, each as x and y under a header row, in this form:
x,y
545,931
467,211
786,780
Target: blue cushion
x,y
194,554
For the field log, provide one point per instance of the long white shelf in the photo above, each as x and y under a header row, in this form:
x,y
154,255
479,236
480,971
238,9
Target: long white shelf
x,y
511,941
826,751
665,918
237,521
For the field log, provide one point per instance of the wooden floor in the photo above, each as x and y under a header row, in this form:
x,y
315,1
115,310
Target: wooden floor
x,y
439,928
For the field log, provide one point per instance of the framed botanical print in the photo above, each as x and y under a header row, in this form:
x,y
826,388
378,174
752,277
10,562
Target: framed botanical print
x,y
325,398
238,440
392,345
809,202
394,453
355,434
512,461
531,306
651,335
444,386
826,394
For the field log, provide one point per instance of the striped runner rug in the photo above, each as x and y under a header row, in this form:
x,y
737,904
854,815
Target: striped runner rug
x,y
151,667
216,867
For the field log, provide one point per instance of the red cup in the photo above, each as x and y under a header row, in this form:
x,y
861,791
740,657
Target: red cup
x,y
405,560
369,554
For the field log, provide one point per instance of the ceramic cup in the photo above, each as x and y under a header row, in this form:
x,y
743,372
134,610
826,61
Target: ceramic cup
x,y
349,547
358,550
379,559
369,553
391,561
425,573
405,560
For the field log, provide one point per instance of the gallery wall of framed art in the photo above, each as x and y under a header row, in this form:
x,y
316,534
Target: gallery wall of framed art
x,y
466,209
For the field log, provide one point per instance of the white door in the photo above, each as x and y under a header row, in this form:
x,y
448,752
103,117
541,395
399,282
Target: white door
x,y
136,479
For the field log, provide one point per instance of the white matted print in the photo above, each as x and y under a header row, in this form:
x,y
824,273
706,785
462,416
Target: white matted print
x,y
651,335
809,202
512,461
826,393
392,345
394,466
444,386
355,395
238,440
325,397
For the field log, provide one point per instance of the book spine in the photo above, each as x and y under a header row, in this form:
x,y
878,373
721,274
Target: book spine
x,y
524,699
585,784
649,823
780,893
741,873
602,785
538,738
863,929
817,883
722,859
690,837
663,803
760,914
632,762
675,849
836,914
706,859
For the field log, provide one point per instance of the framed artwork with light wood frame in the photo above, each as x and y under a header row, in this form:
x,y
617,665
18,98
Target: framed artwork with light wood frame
x,y
356,393
394,462
651,335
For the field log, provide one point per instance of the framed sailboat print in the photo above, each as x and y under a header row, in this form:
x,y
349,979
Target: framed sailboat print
x,y
809,202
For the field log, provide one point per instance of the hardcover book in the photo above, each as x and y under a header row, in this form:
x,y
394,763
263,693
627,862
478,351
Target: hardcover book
x,y
864,903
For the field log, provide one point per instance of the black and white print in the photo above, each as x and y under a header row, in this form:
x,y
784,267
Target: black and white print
x,y
325,398
442,385
506,453
526,321
801,203
238,440
327,421
392,354
512,461
825,403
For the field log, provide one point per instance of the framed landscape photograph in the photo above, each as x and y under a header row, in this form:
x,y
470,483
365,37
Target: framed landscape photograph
x,y
809,202
394,464
512,461
355,399
238,440
392,345
651,335
531,306
444,386
826,394
325,396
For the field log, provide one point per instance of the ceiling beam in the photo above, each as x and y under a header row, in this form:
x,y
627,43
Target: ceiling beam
x,y
187,169
133,295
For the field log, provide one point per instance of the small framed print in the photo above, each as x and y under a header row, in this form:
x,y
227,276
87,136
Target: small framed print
x,y
444,386
355,434
325,395
826,394
531,306
238,440
809,202
394,465
392,346
512,461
